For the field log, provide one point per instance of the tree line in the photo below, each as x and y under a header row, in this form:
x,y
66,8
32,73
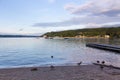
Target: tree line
x,y
113,32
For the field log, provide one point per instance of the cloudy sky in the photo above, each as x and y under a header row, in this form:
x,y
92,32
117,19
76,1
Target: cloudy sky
x,y
40,16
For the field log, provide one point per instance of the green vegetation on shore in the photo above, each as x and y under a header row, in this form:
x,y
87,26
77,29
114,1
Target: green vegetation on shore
x,y
112,32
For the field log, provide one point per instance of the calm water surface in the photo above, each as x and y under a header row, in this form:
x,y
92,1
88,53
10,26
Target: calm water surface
x,y
22,52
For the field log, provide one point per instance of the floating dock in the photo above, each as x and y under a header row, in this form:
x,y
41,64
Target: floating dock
x,y
104,47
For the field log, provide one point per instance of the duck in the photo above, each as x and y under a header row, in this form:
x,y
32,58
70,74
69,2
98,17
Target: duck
x,y
51,56
34,69
103,62
98,62
79,63
52,67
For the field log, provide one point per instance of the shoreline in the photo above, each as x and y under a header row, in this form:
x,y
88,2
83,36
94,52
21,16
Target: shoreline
x,y
47,65
75,37
82,72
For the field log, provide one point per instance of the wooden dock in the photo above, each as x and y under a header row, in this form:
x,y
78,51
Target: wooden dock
x,y
104,47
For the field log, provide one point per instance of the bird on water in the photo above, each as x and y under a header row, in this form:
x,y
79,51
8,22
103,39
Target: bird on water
x,y
98,62
51,56
103,62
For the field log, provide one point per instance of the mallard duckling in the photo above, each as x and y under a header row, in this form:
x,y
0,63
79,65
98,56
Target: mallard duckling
x,y
34,69
52,67
79,63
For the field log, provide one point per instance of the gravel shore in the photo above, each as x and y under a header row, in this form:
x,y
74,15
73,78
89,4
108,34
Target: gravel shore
x,y
82,72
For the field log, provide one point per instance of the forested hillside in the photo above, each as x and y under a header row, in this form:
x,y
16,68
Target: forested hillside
x,y
113,32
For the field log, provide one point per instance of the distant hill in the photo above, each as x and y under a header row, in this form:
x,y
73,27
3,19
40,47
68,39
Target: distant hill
x,y
6,35
112,32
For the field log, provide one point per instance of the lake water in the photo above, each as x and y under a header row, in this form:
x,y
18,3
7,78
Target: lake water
x,y
22,52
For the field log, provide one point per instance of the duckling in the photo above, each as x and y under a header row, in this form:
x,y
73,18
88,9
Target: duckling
x,y
103,62
52,67
98,62
79,63
101,66
34,69
51,56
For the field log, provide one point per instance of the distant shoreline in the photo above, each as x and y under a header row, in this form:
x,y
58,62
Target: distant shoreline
x,y
76,37
14,36
17,37
9,35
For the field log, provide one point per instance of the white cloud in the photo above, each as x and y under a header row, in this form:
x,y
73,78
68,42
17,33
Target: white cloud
x,y
80,21
96,7
93,13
